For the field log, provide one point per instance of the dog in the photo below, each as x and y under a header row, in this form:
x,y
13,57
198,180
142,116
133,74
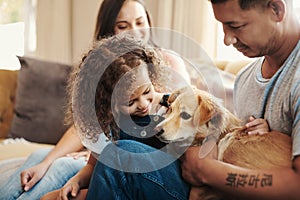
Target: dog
x,y
195,116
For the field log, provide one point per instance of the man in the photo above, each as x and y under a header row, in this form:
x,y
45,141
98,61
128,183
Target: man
x,y
268,29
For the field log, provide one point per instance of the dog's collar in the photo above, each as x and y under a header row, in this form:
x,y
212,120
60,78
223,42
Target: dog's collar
x,y
141,127
164,101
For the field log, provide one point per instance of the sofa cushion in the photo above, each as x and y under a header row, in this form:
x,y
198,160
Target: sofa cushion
x,y
40,101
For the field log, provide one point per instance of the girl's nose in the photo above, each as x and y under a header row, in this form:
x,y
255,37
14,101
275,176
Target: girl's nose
x,y
143,103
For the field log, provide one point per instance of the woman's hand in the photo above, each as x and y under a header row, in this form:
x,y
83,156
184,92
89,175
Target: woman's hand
x,y
32,175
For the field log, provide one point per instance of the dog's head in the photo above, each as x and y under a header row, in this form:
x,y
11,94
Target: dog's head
x,y
193,111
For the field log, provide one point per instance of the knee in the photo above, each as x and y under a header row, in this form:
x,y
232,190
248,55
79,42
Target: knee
x,y
134,146
68,163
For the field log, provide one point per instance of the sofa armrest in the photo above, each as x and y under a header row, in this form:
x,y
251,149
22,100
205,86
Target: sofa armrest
x,y
17,148
8,86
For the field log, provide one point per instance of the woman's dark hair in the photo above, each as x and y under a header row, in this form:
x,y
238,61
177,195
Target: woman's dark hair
x,y
107,16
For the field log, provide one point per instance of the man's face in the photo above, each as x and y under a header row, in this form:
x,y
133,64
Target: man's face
x,y
251,31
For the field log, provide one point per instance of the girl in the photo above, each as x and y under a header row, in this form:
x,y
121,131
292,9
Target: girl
x,y
125,96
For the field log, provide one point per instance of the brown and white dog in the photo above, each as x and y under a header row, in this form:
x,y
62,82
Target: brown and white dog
x,y
195,115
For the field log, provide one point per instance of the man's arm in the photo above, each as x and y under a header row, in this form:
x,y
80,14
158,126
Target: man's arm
x,y
281,183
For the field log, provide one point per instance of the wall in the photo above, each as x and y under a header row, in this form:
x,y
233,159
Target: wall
x,y
65,28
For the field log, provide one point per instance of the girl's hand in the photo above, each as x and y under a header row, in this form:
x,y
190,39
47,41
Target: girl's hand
x,y
70,189
77,155
257,126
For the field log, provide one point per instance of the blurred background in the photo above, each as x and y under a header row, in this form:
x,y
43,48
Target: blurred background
x,y
62,30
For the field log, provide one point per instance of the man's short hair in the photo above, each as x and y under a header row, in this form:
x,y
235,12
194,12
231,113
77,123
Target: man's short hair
x,y
245,4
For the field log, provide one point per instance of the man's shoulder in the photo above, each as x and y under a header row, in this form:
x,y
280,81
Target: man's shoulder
x,y
249,69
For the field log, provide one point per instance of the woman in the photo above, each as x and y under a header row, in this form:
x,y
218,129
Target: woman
x,y
118,16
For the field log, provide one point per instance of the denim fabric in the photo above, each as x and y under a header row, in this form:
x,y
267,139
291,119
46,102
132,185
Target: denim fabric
x,y
116,181
61,170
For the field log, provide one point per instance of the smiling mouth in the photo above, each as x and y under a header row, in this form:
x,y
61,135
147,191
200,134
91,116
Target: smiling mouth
x,y
144,111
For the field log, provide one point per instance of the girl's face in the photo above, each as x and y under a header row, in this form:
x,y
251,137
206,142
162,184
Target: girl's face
x,y
139,103
133,17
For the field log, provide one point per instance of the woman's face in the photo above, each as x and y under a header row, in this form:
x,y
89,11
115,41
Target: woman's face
x,y
132,17
139,102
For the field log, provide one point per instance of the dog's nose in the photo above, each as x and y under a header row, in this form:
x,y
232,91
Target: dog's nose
x,y
160,132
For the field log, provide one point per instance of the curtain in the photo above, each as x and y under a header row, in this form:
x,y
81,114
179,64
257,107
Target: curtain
x,y
193,18
65,27
54,30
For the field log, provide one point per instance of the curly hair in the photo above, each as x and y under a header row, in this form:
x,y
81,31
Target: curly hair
x,y
93,82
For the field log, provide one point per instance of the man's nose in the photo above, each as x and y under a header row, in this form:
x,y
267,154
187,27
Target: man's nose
x,y
229,37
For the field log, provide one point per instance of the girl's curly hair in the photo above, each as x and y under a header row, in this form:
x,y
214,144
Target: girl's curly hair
x,y
93,82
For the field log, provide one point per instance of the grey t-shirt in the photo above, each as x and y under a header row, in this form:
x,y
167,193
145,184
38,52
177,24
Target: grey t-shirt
x,y
277,99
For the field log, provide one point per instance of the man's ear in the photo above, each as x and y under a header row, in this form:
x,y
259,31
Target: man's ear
x,y
279,9
204,112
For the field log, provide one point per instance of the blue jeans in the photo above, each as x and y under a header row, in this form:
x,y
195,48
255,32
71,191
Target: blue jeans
x,y
122,175
61,170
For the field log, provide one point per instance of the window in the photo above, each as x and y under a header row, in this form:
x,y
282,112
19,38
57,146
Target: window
x,y
297,7
17,31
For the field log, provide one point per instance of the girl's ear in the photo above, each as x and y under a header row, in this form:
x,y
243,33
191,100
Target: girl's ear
x,y
279,9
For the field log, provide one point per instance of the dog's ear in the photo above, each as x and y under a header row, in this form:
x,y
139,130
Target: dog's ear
x,y
173,96
204,112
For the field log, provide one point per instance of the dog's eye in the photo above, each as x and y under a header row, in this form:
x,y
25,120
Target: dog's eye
x,y
185,115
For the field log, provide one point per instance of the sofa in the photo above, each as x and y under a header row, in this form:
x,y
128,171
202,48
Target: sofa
x,y
32,103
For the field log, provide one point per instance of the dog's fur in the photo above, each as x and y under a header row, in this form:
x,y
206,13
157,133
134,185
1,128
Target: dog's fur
x,y
195,114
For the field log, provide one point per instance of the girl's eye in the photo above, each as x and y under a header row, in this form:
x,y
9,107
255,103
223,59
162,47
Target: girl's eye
x,y
130,103
147,91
